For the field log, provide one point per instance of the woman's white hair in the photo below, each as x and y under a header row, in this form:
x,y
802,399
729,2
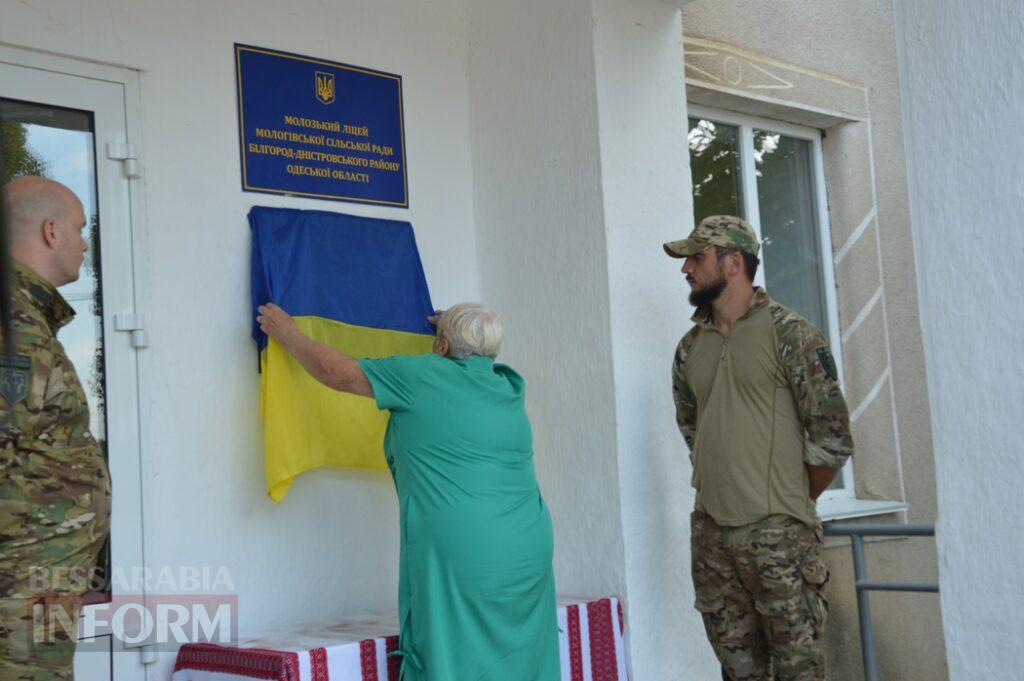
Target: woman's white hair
x,y
471,329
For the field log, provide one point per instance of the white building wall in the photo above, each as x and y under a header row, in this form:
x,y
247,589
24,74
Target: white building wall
x,y
330,549
645,172
543,263
962,72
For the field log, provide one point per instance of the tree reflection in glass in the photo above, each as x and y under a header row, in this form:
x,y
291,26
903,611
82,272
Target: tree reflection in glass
x,y
789,225
715,169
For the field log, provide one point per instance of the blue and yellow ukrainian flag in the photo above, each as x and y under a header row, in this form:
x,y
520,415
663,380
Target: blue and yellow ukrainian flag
x,y
354,283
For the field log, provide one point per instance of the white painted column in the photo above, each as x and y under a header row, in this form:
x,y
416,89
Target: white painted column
x,y
645,176
962,81
543,262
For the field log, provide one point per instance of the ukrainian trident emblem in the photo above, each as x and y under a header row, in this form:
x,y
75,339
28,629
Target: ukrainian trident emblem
x,y
325,87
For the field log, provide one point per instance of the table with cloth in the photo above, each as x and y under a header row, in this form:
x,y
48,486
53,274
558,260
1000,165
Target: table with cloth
x,y
591,648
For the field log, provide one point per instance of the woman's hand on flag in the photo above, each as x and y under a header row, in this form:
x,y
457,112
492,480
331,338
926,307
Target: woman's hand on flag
x,y
327,364
277,323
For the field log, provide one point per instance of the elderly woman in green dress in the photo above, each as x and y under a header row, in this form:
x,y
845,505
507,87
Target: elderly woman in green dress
x,y
476,596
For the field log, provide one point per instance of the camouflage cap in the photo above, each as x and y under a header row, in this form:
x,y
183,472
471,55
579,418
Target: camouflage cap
x,y
727,231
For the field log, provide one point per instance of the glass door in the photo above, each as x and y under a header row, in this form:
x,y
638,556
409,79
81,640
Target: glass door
x,y
57,125
59,144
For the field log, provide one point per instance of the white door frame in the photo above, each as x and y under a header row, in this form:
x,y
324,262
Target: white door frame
x,y
112,94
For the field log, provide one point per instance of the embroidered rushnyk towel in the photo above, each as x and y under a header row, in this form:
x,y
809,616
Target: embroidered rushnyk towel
x,y
591,642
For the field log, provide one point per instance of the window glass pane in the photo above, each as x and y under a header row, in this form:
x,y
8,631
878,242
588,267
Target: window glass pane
x,y
58,143
715,169
793,267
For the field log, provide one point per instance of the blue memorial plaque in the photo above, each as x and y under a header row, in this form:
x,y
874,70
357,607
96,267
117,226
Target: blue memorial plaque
x,y
317,128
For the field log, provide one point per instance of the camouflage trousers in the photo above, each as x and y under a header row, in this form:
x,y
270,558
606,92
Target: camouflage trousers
x,y
760,592
31,650
44,570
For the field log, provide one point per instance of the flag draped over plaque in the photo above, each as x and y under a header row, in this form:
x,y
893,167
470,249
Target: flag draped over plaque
x,y
354,283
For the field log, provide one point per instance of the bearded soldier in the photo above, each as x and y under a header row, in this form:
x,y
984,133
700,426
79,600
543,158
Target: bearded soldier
x,y
758,402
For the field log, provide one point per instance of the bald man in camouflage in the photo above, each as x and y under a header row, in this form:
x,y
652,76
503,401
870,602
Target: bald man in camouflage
x,y
54,484
758,402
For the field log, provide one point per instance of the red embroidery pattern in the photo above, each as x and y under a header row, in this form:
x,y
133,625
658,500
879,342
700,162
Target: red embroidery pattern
x,y
368,659
575,645
318,664
603,665
394,661
256,663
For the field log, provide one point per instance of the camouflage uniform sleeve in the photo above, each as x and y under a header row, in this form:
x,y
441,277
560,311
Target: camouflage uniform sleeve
x,y
686,403
814,382
25,383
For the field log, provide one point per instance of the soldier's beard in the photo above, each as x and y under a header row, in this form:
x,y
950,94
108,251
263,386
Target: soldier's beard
x,y
703,297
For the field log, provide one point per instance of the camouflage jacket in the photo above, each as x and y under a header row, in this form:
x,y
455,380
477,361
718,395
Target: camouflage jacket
x,y
810,371
54,482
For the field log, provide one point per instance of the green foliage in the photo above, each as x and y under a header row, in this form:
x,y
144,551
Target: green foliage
x,y
18,157
792,261
99,367
714,166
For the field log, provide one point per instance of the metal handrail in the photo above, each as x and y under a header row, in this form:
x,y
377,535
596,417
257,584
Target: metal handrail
x,y
856,533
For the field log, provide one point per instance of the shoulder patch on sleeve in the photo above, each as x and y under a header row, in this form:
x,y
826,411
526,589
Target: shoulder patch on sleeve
x,y
14,377
828,362
13,385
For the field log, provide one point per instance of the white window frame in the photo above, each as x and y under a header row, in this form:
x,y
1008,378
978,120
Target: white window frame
x,y
748,179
